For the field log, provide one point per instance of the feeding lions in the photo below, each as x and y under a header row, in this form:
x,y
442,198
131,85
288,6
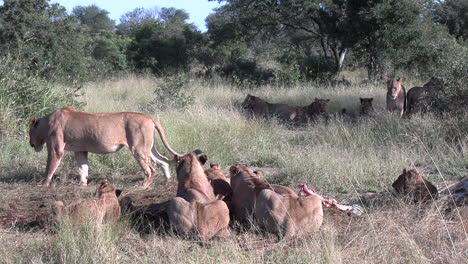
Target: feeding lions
x,y
102,133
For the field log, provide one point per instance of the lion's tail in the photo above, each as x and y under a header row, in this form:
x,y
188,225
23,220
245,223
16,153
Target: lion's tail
x,y
160,130
57,210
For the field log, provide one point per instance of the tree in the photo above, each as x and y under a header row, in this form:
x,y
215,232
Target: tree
x,y
320,20
454,14
162,43
93,18
377,29
44,38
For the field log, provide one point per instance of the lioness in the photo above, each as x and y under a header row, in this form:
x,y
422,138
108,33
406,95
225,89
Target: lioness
x,y
420,98
366,106
257,107
192,182
102,133
396,96
104,208
317,109
287,215
411,184
277,209
219,182
195,209
206,220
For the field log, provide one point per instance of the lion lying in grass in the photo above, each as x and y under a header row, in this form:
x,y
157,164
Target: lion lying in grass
x,y
284,214
102,209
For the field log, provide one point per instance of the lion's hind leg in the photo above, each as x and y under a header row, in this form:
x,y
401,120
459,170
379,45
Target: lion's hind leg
x,y
145,164
162,161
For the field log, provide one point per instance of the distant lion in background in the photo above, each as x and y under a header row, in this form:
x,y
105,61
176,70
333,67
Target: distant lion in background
x,y
396,96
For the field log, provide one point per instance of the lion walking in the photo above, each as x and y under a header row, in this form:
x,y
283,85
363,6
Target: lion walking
x,y
102,133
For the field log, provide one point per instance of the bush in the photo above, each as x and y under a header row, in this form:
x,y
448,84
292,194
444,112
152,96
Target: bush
x,y
23,94
172,93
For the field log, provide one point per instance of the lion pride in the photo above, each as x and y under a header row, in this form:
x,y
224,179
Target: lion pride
x,y
102,133
195,210
104,208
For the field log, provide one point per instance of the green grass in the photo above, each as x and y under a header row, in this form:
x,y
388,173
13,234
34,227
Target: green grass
x,y
333,158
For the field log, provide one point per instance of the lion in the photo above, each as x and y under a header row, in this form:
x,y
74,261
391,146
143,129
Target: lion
x,y
220,183
102,133
278,210
193,218
257,107
366,106
411,184
193,184
245,184
316,110
419,98
104,208
288,215
396,96
195,209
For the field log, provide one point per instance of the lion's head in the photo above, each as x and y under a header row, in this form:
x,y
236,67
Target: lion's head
x,y
366,105
394,87
189,164
37,133
104,187
250,101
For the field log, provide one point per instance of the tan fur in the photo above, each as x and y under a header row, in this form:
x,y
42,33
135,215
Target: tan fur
x,y
410,183
257,107
104,208
195,209
316,110
245,186
219,182
276,208
192,182
396,96
287,215
81,132
205,220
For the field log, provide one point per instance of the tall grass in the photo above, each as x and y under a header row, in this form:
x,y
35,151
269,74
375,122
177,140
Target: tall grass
x,y
333,157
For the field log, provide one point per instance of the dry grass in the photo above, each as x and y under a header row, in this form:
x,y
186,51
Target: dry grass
x,y
338,158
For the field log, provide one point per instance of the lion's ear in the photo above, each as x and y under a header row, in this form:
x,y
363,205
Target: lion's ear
x,y
233,170
197,152
33,122
404,171
214,165
203,158
371,99
118,192
360,98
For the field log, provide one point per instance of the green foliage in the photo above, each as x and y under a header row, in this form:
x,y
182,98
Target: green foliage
x,y
163,44
453,14
47,41
24,95
93,18
172,93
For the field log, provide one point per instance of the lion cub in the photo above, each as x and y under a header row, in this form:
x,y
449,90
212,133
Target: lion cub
x,y
104,208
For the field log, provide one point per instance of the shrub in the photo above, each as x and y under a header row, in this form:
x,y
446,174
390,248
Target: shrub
x,y
172,93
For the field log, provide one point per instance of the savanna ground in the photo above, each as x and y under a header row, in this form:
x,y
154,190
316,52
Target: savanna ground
x,y
339,159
